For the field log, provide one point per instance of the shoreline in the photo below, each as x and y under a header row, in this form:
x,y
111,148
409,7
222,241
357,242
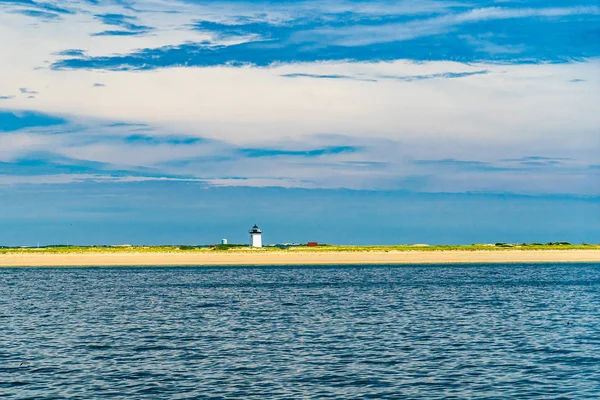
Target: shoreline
x,y
100,259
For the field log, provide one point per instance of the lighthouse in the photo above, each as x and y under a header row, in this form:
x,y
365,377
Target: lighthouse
x,y
255,237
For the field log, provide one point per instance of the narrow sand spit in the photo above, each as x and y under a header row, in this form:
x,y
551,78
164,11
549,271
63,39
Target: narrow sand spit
x,y
294,258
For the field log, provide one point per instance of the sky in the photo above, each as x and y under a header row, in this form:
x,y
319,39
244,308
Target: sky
x,y
350,122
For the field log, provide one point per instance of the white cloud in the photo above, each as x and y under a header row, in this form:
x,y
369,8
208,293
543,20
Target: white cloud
x,y
513,111
360,35
245,105
15,145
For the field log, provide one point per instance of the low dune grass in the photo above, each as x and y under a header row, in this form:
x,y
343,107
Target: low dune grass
x,y
320,248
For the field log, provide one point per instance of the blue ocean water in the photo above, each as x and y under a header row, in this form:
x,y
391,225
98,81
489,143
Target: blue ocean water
x,y
340,332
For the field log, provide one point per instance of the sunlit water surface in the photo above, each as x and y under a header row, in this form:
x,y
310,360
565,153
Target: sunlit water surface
x,y
378,332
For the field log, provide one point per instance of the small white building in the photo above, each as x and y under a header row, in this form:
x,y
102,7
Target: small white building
x,y
223,241
255,237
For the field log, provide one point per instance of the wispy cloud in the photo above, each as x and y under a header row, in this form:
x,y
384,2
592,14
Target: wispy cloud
x,y
44,15
28,91
37,5
465,165
385,33
538,160
157,140
125,22
324,76
12,121
522,164
442,75
106,150
257,152
448,35
71,53
120,33
45,163
376,78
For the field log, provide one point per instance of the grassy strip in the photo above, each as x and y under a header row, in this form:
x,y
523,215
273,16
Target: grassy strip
x,y
322,248
474,247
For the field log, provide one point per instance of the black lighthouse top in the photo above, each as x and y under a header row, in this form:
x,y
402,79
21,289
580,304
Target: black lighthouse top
x,y
255,229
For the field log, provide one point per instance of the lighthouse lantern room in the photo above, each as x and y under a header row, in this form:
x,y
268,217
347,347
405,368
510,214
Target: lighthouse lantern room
x,y
255,236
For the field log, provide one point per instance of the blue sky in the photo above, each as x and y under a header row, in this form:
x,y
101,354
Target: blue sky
x,y
301,104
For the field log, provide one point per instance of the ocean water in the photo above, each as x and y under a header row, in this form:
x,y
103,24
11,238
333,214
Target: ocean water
x,y
337,332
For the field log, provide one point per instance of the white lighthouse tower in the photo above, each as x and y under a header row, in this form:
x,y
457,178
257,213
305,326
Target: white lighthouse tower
x,y
255,237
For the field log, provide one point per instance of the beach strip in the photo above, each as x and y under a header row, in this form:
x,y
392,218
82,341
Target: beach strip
x,y
295,258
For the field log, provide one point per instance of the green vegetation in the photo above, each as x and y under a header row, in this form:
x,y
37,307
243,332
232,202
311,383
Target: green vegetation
x,y
320,248
229,246
473,247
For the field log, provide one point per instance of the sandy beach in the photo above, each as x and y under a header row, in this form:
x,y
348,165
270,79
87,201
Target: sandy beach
x,y
295,258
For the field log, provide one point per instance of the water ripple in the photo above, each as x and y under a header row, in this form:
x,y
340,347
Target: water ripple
x,y
380,332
